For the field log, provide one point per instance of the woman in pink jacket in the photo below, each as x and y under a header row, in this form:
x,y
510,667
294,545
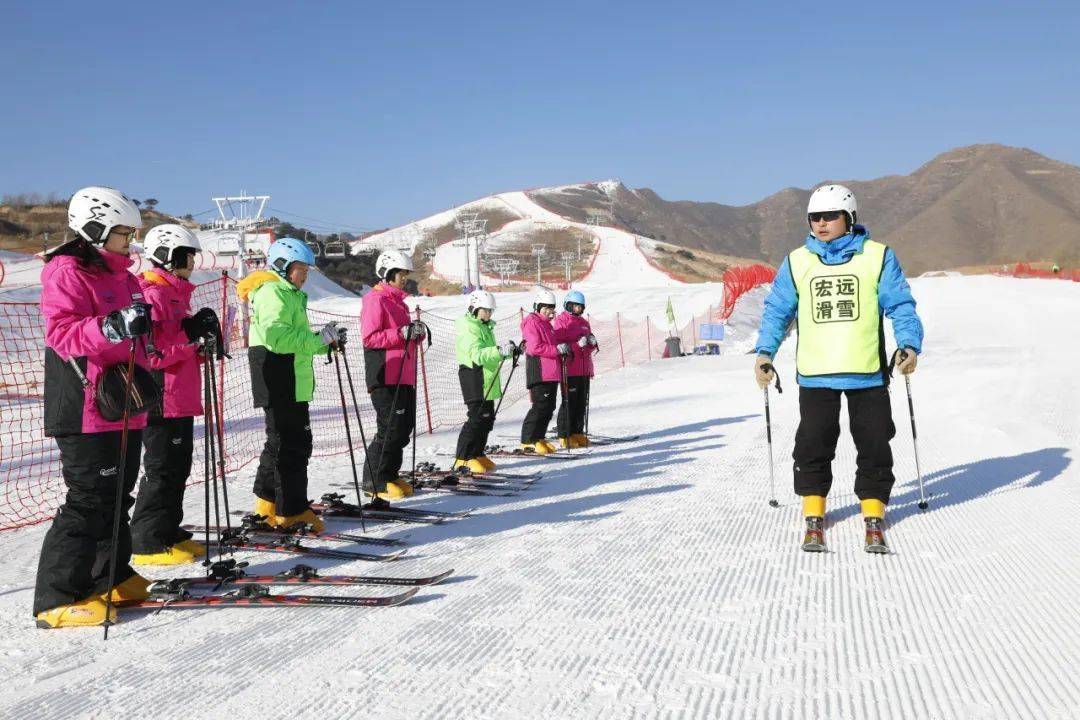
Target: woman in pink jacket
x,y
545,350
156,535
93,310
391,342
576,330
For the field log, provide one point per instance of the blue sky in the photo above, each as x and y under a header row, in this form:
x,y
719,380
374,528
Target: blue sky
x,y
361,115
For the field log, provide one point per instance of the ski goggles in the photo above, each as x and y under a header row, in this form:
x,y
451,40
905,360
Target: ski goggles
x,y
828,216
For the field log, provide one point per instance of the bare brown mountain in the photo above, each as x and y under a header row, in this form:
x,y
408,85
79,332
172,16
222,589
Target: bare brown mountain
x,y
977,205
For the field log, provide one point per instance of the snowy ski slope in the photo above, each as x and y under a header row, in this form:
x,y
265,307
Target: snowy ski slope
x,y
653,580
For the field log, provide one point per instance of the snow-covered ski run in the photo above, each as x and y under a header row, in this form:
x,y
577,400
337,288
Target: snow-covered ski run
x,y
652,579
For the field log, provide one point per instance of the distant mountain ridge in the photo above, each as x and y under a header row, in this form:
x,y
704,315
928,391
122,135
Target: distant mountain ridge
x,y
976,205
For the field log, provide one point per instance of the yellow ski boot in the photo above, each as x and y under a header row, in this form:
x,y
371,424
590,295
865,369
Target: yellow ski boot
x,y
307,517
172,555
550,446
567,443
539,448
487,462
131,591
396,490
265,508
195,548
84,613
580,440
873,509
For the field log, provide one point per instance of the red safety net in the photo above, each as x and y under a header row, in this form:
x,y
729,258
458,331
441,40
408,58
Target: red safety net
x,y
1024,270
31,486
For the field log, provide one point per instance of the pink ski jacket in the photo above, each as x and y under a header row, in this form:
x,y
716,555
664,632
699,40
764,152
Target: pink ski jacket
x,y
541,355
382,316
179,364
74,301
574,327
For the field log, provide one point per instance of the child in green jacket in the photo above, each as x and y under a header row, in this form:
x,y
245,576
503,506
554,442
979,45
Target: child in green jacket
x,y
479,362
281,346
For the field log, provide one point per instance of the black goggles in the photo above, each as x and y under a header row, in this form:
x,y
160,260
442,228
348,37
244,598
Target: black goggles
x,y
828,216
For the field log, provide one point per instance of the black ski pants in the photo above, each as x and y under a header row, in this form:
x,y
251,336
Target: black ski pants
x,y
394,425
159,507
474,433
77,550
543,396
282,477
872,428
571,417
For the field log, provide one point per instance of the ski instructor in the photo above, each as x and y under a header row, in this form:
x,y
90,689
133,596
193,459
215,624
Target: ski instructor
x,y
837,288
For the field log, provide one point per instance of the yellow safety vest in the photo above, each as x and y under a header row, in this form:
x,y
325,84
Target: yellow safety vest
x,y
839,319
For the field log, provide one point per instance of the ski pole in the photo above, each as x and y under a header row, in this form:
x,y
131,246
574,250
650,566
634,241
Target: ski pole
x,y
218,427
335,351
206,468
513,367
565,402
416,374
498,374
212,429
209,467
359,421
767,367
129,376
923,504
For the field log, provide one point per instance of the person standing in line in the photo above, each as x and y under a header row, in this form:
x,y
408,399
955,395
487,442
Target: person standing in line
x,y
168,440
93,311
391,341
479,362
281,345
572,325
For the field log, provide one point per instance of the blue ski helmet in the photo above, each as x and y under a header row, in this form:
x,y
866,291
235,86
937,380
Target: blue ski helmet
x,y
286,251
574,296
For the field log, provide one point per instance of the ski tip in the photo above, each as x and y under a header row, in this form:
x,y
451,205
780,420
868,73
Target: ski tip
x,y
403,597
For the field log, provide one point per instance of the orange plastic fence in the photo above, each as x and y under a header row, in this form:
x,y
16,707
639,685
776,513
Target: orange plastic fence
x,y
31,486
1024,270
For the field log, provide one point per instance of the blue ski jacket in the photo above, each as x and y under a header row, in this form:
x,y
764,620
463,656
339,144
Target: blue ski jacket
x,y
894,298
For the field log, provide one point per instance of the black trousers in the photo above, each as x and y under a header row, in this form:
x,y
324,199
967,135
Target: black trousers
x,y
543,396
819,428
282,477
571,417
474,433
394,426
159,507
77,550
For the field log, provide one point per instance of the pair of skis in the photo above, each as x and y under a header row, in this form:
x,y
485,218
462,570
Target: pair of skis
x,y
333,505
254,590
257,525
814,539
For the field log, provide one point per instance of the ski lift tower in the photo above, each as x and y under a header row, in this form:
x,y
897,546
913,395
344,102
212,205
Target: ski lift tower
x,y
568,261
539,250
242,214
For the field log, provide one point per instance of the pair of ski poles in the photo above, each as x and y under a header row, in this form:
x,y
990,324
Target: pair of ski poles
x,y
768,367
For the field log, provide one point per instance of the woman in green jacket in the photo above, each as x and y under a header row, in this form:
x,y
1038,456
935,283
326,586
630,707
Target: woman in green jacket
x,y
479,360
281,346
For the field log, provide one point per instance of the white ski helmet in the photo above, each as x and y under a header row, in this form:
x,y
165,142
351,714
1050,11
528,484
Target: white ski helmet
x,y
392,260
163,240
833,197
94,211
543,296
481,299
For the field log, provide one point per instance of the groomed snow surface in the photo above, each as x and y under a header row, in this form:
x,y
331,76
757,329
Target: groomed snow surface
x,y
653,579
